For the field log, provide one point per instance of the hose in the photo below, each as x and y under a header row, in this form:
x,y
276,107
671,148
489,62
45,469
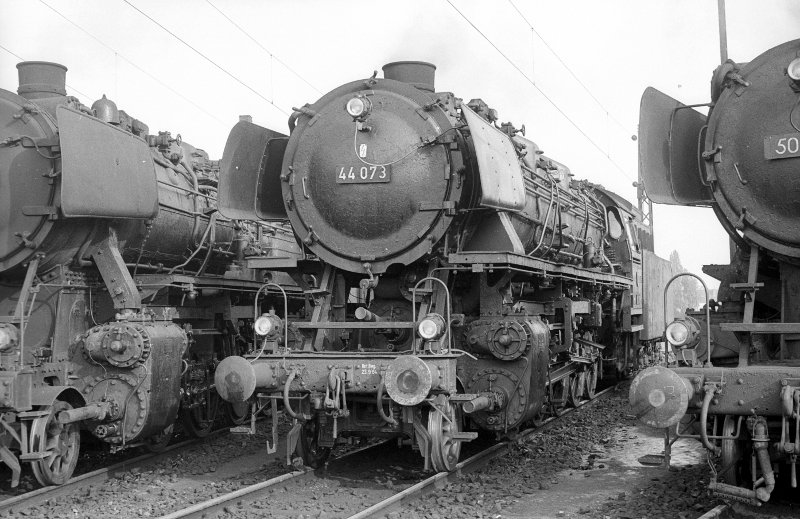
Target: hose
x,y
704,420
286,404
386,418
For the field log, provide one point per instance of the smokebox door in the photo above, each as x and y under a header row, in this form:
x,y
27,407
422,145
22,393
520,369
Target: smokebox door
x,y
106,172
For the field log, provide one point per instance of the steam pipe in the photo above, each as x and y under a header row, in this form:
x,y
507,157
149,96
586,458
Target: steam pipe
x,y
761,446
95,411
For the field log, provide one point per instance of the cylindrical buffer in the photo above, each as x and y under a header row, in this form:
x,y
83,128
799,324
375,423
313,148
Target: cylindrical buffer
x,y
236,378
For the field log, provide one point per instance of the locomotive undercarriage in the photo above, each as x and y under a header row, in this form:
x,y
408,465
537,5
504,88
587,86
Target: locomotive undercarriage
x,y
520,346
124,376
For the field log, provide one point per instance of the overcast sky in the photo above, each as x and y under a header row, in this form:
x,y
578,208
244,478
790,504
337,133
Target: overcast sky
x,y
295,50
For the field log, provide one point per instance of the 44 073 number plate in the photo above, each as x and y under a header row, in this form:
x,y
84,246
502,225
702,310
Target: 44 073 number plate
x,y
363,174
782,146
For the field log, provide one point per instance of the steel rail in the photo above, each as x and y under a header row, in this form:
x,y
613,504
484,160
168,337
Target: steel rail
x,y
260,491
40,495
257,491
471,464
715,512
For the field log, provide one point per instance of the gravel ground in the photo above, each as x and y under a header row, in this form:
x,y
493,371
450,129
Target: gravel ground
x,y
220,465
571,471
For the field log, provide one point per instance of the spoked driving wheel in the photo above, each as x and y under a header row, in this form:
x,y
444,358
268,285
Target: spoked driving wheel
x,y
308,447
591,378
58,444
444,423
198,420
577,386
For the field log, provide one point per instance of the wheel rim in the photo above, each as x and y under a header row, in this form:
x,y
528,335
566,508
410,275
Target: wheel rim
x,y
60,441
591,380
445,450
577,386
559,395
732,454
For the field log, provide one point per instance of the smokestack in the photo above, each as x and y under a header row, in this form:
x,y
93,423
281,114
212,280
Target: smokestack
x,y
40,79
420,74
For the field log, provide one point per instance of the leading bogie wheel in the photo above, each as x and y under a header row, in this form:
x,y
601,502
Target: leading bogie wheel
x,y
559,395
444,423
59,445
591,378
577,387
198,420
308,447
159,442
733,454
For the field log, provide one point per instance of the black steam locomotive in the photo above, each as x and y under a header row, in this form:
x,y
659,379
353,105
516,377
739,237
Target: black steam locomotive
x,y
737,386
121,286
461,273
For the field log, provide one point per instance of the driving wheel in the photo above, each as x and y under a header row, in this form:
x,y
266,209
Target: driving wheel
x,y
57,443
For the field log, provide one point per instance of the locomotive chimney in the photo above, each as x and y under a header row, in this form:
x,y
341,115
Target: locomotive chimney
x,y
417,73
40,79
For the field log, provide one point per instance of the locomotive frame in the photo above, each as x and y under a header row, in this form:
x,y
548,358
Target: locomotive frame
x,y
736,385
115,304
481,287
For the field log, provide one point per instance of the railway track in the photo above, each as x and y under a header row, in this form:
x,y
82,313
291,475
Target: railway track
x,y
95,477
235,504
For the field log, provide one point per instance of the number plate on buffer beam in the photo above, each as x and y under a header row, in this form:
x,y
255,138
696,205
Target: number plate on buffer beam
x,y
363,174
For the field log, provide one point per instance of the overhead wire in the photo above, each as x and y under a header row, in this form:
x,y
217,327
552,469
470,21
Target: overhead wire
x,y
568,69
67,84
134,65
547,98
211,61
271,55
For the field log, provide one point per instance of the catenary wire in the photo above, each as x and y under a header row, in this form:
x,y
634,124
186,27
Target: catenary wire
x,y
575,76
134,65
217,65
547,98
271,55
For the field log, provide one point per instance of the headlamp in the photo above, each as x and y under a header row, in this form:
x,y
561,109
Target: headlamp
x,y
264,325
683,333
793,70
432,327
8,337
359,107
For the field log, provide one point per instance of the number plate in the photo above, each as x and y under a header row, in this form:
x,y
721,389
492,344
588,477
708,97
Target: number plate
x,y
363,174
782,146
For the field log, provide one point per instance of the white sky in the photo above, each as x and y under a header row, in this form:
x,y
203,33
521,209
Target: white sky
x,y
616,48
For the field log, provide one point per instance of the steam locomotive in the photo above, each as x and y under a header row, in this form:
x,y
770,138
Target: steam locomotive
x,y
460,272
737,386
121,286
